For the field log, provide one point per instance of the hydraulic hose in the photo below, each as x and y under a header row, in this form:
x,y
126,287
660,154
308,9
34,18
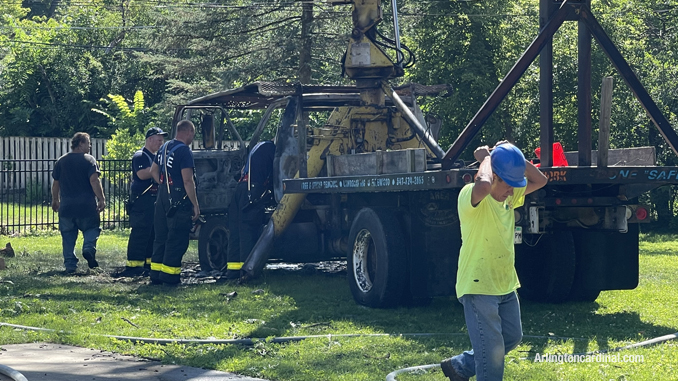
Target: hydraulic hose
x,y
252,341
247,341
12,373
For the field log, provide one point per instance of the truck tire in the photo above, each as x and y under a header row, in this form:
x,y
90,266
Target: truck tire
x,y
377,259
213,243
579,292
546,269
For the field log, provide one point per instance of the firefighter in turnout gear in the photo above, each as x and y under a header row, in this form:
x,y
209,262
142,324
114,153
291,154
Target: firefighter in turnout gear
x,y
247,211
176,206
141,206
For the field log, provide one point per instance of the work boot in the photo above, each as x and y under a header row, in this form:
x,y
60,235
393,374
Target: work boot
x,y
450,372
130,272
232,274
89,257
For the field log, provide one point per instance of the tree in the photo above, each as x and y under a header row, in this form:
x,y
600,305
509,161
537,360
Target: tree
x,y
455,46
129,124
60,63
201,49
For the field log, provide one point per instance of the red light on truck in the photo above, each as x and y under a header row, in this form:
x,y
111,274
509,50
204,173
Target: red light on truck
x,y
467,178
641,213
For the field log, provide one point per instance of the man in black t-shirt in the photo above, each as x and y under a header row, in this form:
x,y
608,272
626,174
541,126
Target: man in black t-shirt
x,y
247,210
78,197
176,206
141,206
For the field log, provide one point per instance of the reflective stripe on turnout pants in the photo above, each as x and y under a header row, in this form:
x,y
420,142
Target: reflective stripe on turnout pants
x,y
141,237
171,239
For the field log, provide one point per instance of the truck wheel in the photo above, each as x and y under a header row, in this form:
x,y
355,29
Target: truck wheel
x,y
376,259
546,269
579,292
213,243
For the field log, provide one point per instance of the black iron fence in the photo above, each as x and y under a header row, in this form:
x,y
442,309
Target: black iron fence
x,y
26,197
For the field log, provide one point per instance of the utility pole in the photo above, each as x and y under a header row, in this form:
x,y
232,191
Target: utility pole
x,y
305,51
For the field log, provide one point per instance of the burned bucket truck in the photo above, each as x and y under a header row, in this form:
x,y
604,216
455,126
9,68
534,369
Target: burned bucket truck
x,y
372,185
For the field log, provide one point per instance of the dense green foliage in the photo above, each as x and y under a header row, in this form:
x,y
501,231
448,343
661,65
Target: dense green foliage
x,y
60,59
130,124
57,65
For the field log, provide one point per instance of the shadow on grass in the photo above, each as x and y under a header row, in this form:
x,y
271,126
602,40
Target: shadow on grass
x,y
321,304
584,321
333,302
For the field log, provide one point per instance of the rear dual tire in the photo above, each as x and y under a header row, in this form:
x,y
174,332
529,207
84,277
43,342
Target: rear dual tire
x,y
551,271
377,259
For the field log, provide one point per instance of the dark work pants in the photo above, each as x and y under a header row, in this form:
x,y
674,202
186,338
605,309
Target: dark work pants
x,y
140,244
171,239
244,223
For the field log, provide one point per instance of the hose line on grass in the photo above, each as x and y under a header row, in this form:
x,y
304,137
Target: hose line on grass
x,y
252,341
12,373
392,376
247,341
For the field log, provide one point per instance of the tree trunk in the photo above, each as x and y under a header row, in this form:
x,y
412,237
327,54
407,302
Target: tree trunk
x,y
305,51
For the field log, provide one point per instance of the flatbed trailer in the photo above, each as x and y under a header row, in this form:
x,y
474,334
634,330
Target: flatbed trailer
x,y
558,257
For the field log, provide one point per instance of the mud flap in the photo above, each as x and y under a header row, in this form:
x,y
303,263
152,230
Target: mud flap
x,y
607,260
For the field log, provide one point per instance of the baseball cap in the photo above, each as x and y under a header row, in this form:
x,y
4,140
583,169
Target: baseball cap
x,y
155,131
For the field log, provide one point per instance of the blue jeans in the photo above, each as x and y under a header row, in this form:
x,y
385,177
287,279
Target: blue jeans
x,y
69,234
494,327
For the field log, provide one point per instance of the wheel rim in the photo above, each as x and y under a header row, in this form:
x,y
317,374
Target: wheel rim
x,y
364,260
217,245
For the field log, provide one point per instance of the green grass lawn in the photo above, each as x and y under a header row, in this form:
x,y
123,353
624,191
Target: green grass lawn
x,y
31,215
35,217
282,303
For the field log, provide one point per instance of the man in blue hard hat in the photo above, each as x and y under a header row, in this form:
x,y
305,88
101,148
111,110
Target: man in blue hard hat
x,y
486,278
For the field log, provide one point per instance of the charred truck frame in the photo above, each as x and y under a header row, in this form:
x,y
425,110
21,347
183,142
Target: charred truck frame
x,y
373,186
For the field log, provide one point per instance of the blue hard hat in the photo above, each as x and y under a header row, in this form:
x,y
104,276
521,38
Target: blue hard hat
x,y
509,164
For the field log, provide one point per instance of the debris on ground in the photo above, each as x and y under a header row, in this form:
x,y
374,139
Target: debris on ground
x,y
191,273
8,251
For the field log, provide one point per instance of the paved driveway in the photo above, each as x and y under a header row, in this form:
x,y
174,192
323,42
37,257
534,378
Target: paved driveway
x,y
56,362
